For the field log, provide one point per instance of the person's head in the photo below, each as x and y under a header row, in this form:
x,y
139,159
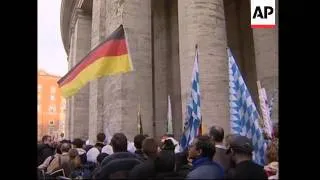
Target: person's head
x,y
46,139
65,147
62,135
217,134
202,146
101,157
54,144
138,139
272,151
75,160
101,137
168,145
58,149
119,142
150,147
73,153
240,148
228,138
88,147
65,141
77,143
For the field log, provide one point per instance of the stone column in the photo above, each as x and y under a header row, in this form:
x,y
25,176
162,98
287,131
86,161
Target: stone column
x,y
68,109
80,46
266,55
248,70
174,85
122,92
161,56
202,22
96,86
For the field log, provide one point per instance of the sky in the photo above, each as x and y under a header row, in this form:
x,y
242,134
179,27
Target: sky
x,y
51,54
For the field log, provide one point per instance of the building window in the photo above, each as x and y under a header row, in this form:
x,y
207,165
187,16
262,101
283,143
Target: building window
x,y
38,108
52,97
52,109
39,102
53,90
51,123
39,88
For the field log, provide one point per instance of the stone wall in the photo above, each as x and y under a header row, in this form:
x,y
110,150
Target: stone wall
x,y
202,22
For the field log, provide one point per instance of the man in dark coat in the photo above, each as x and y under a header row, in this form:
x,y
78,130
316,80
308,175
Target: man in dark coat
x,y
241,152
119,145
146,170
45,149
138,139
221,157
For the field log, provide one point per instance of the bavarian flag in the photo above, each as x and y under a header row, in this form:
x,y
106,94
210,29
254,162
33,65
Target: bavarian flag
x,y
108,58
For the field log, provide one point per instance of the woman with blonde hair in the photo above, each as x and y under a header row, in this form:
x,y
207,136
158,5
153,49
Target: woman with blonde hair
x,y
272,169
78,171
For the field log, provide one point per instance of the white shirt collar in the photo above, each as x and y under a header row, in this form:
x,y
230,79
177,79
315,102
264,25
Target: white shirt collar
x,y
220,146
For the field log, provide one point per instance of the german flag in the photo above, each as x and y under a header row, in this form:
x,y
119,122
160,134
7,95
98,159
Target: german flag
x,y
110,57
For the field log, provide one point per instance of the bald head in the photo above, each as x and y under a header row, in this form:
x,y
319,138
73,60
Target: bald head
x,y
217,133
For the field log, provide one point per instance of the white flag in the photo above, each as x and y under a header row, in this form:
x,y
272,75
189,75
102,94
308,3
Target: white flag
x,y
265,111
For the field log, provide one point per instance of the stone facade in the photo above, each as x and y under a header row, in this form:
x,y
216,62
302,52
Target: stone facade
x,y
162,35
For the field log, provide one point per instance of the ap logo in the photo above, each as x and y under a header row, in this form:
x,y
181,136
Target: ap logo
x,y
263,13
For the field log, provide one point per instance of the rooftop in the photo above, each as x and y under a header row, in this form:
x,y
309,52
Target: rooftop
x,y
42,72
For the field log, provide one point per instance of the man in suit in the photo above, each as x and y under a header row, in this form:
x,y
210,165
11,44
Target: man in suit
x,y
224,159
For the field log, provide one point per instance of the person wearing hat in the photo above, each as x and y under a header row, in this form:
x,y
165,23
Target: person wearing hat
x,y
240,149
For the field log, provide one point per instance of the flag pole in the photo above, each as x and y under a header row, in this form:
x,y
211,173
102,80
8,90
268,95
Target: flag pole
x,y
138,115
169,117
139,120
126,37
261,120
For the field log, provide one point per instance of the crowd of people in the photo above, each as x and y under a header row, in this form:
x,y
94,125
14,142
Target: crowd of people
x,y
210,156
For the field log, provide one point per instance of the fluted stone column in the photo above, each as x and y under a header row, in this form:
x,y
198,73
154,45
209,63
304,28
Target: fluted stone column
x,y
80,46
96,120
166,65
122,93
174,87
202,22
267,62
161,61
266,54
